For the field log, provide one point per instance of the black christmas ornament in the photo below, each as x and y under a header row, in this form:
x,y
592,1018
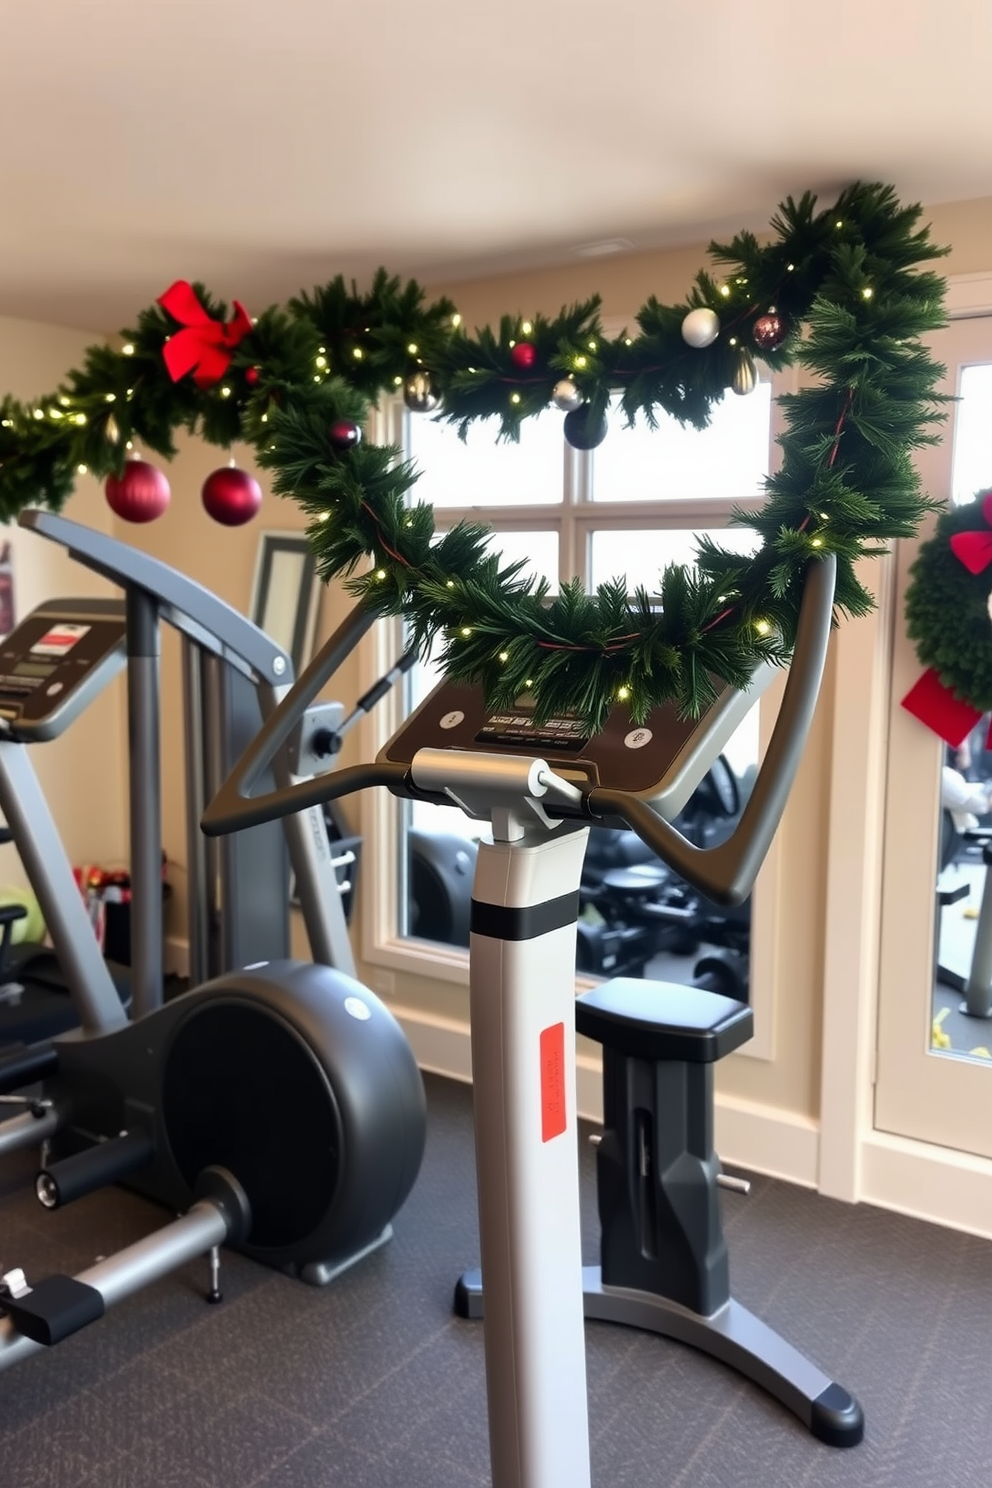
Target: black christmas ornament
x,y
584,429
344,434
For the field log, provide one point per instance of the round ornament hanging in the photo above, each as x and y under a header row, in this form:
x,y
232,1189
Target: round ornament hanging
x,y
583,429
701,327
947,611
566,396
745,378
769,331
140,493
523,355
419,393
231,496
344,435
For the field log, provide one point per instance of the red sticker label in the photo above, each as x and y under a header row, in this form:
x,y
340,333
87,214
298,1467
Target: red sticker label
x,y
553,1116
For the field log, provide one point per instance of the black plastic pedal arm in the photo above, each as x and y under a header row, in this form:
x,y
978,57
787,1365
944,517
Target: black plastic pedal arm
x,y
54,1309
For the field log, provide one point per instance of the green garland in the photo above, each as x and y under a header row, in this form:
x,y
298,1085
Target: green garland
x,y
947,608
853,300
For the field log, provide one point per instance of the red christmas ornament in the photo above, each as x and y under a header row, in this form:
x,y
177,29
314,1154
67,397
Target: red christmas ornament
x,y
523,355
231,496
769,331
344,434
251,376
140,494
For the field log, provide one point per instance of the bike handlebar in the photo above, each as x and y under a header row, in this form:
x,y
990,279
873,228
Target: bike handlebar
x,y
724,873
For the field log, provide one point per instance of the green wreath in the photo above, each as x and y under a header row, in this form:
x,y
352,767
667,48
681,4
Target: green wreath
x,y
840,290
947,603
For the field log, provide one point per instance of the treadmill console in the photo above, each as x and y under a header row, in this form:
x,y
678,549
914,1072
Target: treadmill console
x,y
661,760
55,662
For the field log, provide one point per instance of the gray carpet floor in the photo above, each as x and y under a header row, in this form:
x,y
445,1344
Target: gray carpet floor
x,y
373,1383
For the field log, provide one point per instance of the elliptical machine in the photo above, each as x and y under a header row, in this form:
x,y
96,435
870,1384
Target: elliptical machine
x,y
278,1103
543,790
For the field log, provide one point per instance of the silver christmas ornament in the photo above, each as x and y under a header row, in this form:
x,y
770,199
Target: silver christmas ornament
x,y
566,396
701,327
745,373
419,393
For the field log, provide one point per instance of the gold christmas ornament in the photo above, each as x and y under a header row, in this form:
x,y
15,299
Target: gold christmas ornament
x,y
745,378
419,393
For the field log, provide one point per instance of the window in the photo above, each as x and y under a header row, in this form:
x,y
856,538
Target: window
x,y
632,506
972,453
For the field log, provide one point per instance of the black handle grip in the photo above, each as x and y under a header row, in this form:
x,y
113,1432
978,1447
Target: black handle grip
x,y
726,873
62,1182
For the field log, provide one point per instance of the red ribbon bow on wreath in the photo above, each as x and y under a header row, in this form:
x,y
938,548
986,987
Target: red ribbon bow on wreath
x,y
974,549
929,700
204,347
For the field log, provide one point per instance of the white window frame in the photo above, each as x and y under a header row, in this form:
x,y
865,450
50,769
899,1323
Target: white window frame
x,y
381,946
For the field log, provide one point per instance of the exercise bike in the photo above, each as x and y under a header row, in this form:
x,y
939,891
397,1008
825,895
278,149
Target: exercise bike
x,y
279,1103
543,790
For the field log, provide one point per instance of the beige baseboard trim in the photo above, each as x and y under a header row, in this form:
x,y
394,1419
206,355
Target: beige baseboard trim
x,y
766,1139
936,1184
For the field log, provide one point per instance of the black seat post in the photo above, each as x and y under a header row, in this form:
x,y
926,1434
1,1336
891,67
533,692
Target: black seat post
x,y
659,1207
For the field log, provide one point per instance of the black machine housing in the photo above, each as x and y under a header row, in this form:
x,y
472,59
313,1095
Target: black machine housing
x,y
293,1076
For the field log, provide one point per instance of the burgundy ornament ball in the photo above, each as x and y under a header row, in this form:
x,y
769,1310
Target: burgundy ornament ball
x,y
583,430
231,496
769,331
344,434
140,494
523,355
251,376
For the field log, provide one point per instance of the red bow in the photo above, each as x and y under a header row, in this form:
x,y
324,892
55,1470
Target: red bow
x,y
974,549
204,347
931,700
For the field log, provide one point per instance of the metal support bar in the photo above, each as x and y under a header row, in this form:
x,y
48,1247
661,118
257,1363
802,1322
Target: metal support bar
x,y
317,886
198,848
145,793
26,1129
25,809
523,1069
137,1266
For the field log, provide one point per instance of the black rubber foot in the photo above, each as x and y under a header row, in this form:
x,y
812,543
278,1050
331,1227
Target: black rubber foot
x,y
215,1296
837,1418
468,1295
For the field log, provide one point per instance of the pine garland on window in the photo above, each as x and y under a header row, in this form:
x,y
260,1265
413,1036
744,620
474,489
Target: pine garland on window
x,y
842,291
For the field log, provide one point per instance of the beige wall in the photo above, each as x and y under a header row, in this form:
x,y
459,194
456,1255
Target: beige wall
x,y
80,773
32,357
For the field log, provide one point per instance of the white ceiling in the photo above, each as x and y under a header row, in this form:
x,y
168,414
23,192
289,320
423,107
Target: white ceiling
x,y
265,145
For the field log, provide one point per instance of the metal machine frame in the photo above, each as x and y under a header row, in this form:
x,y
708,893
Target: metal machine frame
x,y
541,792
